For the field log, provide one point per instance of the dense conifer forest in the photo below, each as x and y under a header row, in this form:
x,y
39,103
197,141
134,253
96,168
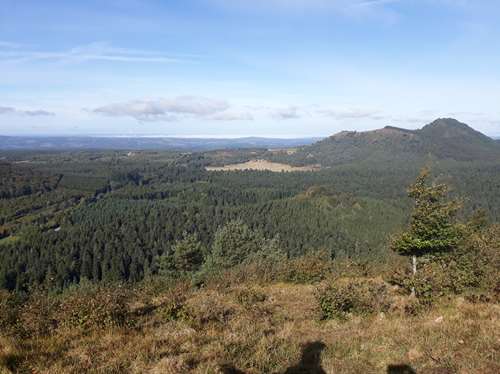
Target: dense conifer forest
x,y
112,216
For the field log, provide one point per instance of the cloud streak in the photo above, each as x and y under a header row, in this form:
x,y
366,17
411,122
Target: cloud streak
x,y
290,5
98,51
345,114
373,3
6,110
292,112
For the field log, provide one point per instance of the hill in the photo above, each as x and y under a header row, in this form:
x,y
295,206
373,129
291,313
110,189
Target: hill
x,y
445,138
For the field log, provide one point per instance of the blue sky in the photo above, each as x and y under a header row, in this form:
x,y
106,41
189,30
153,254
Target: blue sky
x,y
225,68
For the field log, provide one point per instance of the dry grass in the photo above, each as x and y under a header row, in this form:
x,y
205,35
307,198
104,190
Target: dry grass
x,y
263,165
266,329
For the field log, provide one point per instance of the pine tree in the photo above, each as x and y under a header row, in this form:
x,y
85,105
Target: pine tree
x,y
233,243
185,256
188,253
433,228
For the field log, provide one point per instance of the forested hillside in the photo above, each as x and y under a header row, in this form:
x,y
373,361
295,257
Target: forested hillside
x,y
444,138
111,216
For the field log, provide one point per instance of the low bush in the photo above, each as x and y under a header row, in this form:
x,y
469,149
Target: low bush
x,y
173,303
174,310
208,307
9,310
249,296
94,307
37,316
88,307
344,297
313,267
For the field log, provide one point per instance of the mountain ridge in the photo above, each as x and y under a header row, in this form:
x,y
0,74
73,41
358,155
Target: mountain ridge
x,y
444,138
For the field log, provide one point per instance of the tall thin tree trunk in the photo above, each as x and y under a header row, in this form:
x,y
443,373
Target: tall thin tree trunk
x,y
414,263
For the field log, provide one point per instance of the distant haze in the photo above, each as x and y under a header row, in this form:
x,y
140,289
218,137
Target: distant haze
x,y
144,143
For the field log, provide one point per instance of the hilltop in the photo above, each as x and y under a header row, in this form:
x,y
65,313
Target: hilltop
x,y
445,138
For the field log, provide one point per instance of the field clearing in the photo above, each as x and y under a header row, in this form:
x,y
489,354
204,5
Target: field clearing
x,y
263,165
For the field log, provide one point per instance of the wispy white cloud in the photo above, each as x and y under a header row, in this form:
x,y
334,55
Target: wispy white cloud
x,y
169,109
373,3
291,112
98,51
232,116
343,114
31,113
178,108
290,5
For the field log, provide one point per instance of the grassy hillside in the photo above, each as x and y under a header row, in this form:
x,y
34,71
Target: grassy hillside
x,y
252,321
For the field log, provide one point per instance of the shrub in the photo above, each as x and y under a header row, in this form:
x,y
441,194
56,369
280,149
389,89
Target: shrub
x,y
173,305
233,243
250,296
37,314
93,307
406,306
199,310
174,310
313,267
209,307
310,268
9,310
187,256
345,297
471,267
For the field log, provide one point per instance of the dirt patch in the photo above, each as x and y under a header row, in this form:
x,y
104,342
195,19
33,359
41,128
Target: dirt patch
x,y
263,165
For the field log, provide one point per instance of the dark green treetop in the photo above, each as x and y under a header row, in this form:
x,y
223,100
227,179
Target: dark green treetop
x,y
433,227
187,255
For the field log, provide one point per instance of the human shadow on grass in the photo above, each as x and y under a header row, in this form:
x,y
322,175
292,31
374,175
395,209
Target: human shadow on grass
x,y
228,369
400,369
310,362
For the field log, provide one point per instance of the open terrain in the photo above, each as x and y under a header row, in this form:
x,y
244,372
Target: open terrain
x,y
247,327
262,165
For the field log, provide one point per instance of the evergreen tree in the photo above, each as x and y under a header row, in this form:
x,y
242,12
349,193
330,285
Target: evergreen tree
x,y
188,253
185,256
433,228
233,243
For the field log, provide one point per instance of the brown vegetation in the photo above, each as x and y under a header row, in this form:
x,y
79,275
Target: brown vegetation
x,y
263,165
253,320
